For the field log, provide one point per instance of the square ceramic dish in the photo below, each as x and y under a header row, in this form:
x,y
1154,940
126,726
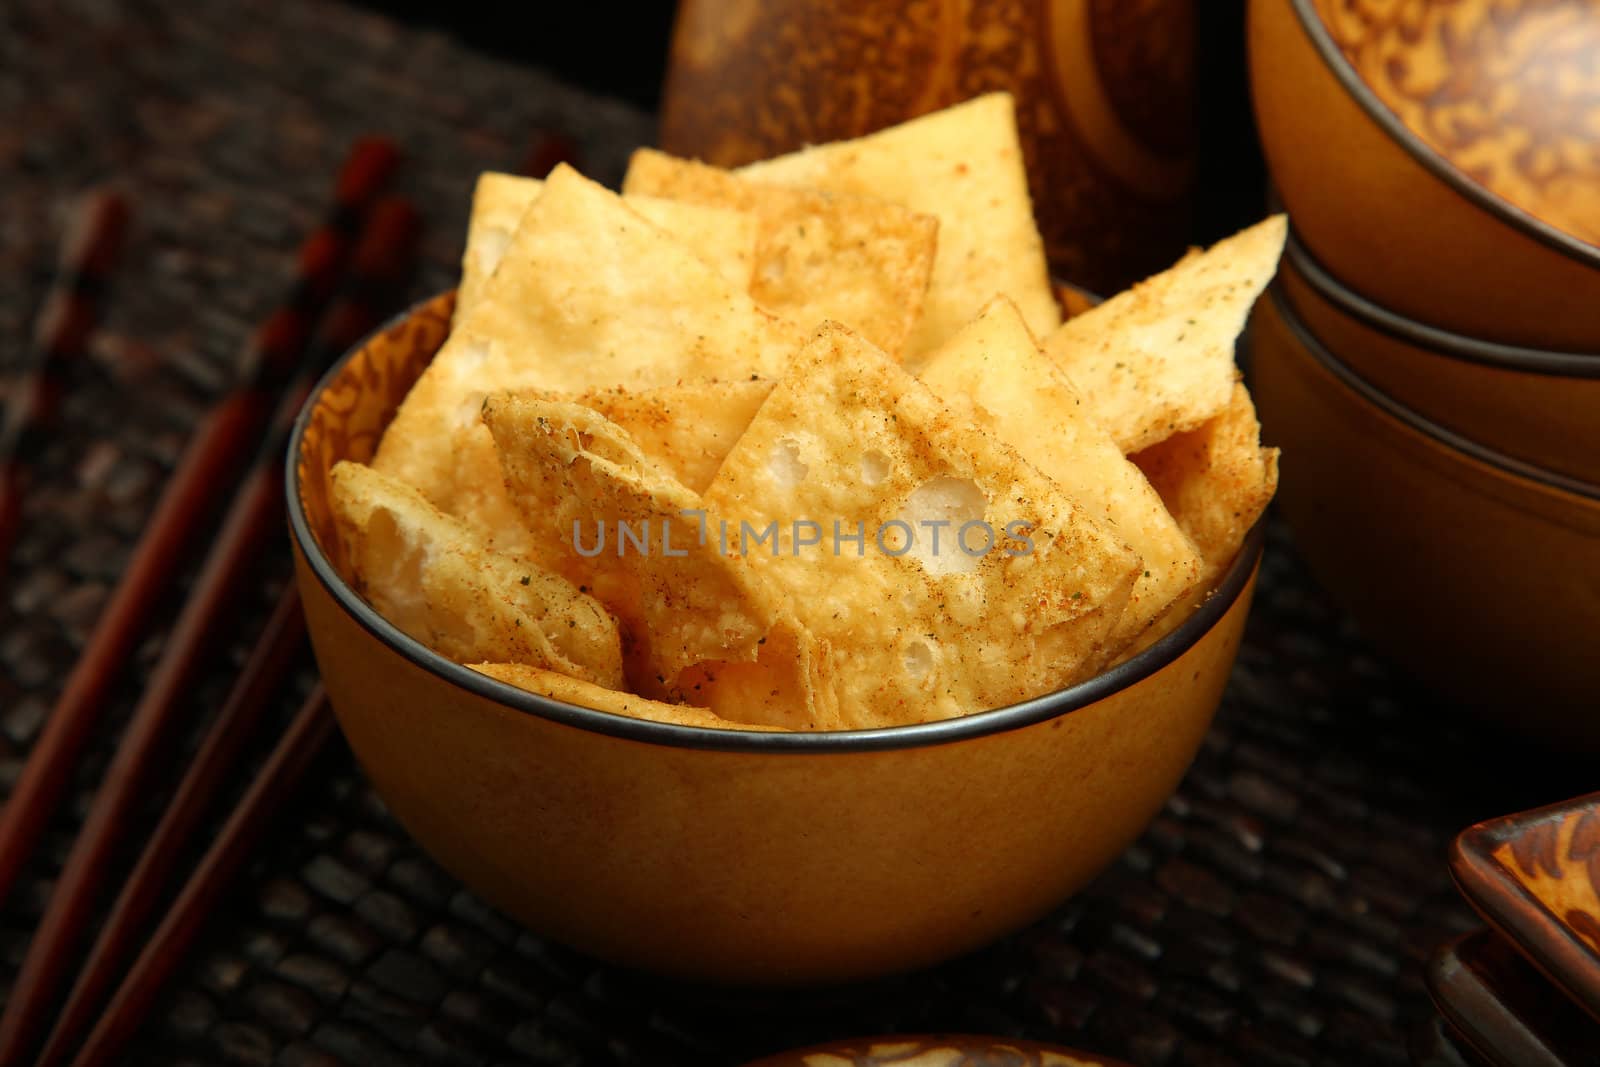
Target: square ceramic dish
x,y
1536,877
1498,1006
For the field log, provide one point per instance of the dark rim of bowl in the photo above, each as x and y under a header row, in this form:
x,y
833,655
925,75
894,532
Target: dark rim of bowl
x,y
1441,167
1436,341
980,724
1407,417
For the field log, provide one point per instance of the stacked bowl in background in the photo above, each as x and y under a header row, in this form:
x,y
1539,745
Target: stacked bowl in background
x,y
1429,358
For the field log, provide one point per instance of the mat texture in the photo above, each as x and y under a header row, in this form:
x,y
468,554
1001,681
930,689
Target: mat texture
x,y
1277,912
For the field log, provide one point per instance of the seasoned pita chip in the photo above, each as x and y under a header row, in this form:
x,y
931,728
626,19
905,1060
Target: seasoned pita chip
x,y
586,695
963,165
686,429
432,577
1216,480
498,204
993,371
588,295
861,261
914,627
631,533
1157,359
726,239
785,686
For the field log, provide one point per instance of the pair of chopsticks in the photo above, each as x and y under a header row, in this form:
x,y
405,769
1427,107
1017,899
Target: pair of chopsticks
x,y
381,260
213,455
61,335
381,266
376,240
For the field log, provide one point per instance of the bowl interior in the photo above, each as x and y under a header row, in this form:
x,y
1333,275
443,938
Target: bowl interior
x,y
1484,94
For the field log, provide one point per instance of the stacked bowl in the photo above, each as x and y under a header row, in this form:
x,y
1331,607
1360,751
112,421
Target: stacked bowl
x,y
1429,358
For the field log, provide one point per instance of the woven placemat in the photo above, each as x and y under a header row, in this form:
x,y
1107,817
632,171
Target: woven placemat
x,y
1277,912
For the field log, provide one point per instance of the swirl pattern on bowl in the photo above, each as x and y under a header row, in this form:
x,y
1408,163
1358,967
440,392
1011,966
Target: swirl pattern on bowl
x,y
1508,91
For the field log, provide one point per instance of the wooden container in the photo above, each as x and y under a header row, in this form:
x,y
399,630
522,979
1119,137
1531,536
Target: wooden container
x,y
1105,92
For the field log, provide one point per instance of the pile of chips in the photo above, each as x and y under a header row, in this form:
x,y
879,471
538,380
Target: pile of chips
x,y
807,446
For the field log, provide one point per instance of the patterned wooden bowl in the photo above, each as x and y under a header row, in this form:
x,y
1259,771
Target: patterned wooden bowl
x,y
1105,91
731,856
1443,157
1474,571
1535,405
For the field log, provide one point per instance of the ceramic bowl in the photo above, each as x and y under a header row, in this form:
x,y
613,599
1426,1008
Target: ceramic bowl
x,y
1439,156
1536,405
729,856
1107,94
1477,572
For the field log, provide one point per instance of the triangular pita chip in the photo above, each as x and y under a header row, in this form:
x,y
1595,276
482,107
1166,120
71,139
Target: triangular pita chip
x,y
433,577
916,628
861,261
686,429
1216,480
498,203
786,686
964,166
724,238
993,371
585,695
588,294
632,534
1157,359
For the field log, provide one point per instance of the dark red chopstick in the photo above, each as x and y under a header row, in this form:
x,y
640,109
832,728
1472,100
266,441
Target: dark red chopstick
x,y
310,731
281,640
382,264
219,445
89,250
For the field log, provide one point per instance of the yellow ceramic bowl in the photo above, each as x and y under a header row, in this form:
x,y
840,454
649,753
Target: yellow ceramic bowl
x,y
1476,572
730,856
1446,214
1536,405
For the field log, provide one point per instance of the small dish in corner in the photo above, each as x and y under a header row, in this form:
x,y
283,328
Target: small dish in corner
x,y
1495,1004
1536,877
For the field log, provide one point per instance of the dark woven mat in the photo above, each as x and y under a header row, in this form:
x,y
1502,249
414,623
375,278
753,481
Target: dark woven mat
x,y
1276,913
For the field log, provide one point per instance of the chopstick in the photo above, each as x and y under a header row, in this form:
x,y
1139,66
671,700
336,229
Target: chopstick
x,y
214,452
280,641
299,746
66,319
383,261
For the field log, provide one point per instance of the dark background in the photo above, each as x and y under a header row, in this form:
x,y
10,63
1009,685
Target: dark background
x,y
621,50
